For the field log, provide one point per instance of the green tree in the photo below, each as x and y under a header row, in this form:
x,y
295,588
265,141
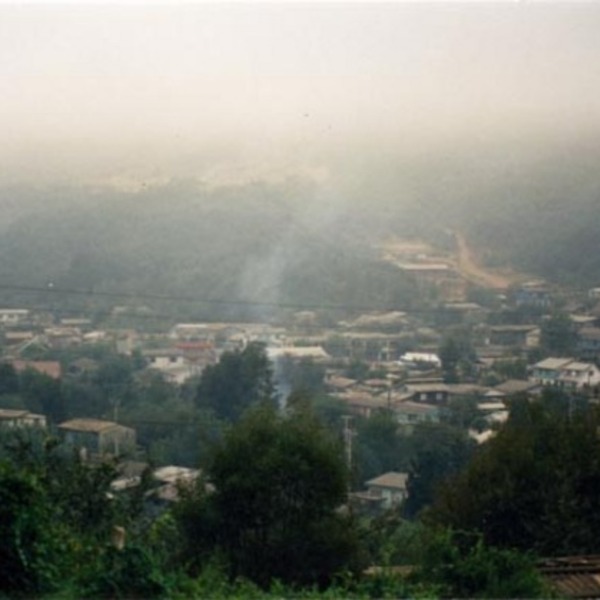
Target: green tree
x,y
30,540
457,354
379,446
533,486
239,380
302,376
558,336
42,393
357,369
440,451
56,515
462,566
511,369
278,481
9,380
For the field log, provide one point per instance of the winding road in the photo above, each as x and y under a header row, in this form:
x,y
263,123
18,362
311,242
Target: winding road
x,y
471,270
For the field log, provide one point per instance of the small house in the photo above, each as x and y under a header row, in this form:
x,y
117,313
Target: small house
x,y
547,371
390,488
412,413
431,393
20,418
98,437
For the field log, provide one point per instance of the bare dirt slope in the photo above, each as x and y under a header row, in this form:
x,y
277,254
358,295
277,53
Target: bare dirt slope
x,y
470,269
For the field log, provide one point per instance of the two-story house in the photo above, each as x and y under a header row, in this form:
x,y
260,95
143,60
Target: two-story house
x,y
547,371
565,373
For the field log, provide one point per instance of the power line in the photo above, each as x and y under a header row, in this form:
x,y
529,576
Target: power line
x,y
195,299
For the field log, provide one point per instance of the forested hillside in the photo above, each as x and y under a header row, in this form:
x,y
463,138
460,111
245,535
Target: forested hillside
x,y
258,243
538,212
528,203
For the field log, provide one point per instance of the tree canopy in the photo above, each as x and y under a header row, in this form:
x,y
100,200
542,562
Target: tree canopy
x,y
240,379
533,486
278,483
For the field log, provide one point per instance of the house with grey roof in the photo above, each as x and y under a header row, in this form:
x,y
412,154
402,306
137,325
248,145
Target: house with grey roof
x,y
98,437
566,373
412,413
383,492
547,371
11,418
515,387
513,335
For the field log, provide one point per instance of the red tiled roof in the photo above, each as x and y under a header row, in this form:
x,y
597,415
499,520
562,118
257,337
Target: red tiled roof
x,y
51,368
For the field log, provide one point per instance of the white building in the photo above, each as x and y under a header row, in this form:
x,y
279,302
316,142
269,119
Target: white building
x,y
13,316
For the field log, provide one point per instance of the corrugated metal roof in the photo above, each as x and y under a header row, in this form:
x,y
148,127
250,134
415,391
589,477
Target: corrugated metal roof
x,y
9,413
390,480
92,425
573,576
553,363
516,386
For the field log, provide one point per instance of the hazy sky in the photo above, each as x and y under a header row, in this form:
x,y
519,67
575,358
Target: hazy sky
x,y
129,85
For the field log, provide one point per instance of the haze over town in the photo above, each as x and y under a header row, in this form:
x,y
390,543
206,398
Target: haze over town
x,y
109,92
300,298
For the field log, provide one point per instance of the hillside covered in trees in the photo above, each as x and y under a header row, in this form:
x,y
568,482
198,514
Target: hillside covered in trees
x,y
300,241
225,248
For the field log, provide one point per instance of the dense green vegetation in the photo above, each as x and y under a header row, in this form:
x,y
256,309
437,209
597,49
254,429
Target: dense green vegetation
x,y
534,486
187,250
531,205
269,514
271,527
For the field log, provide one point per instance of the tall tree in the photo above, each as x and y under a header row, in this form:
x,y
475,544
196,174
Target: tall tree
x,y
534,486
239,380
9,380
441,450
558,336
278,481
42,393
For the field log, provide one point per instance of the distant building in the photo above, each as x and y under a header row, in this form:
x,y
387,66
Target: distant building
x,y
455,313
431,393
363,403
412,413
98,437
51,368
170,479
579,375
298,352
512,335
60,338
78,323
565,373
191,331
547,371
20,418
10,317
383,493
420,359
515,387
533,294
177,365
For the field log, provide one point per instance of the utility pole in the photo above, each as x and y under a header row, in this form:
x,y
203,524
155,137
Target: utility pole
x,y
348,444
115,417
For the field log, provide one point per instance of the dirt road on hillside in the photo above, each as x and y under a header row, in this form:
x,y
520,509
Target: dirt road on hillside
x,y
467,265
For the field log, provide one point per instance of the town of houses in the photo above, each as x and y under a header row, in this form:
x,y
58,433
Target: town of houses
x,y
401,353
